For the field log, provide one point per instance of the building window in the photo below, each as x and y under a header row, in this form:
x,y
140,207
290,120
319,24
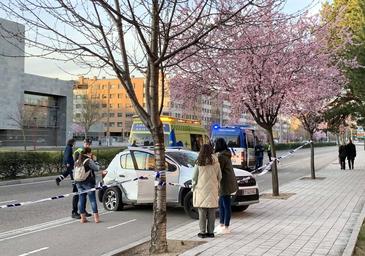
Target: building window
x,y
111,124
119,124
120,114
78,106
104,114
104,96
111,114
120,105
120,95
104,105
77,115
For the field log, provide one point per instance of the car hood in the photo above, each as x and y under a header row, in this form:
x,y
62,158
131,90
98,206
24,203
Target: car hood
x,y
186,173
240,172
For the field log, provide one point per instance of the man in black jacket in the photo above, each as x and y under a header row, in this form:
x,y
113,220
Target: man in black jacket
x,y
351,154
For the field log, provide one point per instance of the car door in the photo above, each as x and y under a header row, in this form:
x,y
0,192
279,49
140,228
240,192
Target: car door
x,y
145,163
172,176
128,172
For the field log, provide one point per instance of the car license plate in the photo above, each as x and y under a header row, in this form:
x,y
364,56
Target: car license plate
x,y
251,191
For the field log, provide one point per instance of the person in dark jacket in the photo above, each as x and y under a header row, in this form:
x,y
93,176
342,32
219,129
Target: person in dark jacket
x,y
259,154
68,161
228,185
342,154
86,158
351,154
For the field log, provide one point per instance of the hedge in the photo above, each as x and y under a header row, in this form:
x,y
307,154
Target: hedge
x,y
15,165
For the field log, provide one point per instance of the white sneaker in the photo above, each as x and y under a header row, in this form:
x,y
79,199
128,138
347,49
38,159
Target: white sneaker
x,y
218,230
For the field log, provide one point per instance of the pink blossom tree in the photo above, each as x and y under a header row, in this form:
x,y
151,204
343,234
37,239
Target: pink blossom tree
x,y
119,37
261,68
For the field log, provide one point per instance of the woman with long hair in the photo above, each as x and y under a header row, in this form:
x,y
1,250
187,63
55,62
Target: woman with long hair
x,y
205,185
228,185
87,160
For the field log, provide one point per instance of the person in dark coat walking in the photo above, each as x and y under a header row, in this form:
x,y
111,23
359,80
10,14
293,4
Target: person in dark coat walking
x,y
228,185
68,161
342,154
351,154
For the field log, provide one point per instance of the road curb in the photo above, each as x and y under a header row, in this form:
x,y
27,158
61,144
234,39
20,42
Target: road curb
x,y
350,247
28,180
126,247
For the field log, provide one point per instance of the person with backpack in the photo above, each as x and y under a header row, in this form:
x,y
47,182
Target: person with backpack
x,y
205,184
228,185
84,175
70,158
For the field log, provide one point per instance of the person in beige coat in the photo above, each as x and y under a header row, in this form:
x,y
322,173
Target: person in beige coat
x,y
205,186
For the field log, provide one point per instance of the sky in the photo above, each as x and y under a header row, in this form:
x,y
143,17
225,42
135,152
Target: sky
x,y
70,71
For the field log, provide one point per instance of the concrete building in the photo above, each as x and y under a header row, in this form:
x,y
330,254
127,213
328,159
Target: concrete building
x,y
35,110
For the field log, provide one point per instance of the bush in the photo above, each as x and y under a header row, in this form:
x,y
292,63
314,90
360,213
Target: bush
x,y
106,155
34,164
29,164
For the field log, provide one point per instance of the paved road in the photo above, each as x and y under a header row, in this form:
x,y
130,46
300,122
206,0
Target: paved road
x,y
47,229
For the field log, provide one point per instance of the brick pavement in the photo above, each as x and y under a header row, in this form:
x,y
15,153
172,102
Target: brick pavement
x,y
322,218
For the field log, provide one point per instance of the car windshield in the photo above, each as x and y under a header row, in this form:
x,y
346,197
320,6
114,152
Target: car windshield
x,y
232,140
185,158
144,139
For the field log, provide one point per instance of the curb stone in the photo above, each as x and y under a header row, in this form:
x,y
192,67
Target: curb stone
x,y
350,247
126,247
28,180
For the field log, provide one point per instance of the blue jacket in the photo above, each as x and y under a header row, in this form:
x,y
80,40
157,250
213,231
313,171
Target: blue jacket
x,y
68,157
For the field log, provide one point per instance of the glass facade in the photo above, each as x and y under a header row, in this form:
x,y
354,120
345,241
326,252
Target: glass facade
x,y
41,110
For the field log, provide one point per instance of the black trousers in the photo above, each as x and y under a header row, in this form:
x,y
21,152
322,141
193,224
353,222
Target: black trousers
x,y
351,162
343,163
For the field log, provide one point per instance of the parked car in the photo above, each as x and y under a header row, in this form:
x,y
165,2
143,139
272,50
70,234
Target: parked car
x,y
137,161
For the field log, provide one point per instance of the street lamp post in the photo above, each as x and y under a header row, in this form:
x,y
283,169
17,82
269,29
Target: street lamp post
x,y
34,132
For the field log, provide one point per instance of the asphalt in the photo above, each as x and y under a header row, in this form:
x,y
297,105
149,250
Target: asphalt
x,y
320,217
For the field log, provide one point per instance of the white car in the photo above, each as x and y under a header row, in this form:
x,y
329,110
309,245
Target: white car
x,y
137,161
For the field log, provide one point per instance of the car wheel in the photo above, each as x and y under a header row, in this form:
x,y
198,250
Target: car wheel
x,y
188,206
239,208
112,199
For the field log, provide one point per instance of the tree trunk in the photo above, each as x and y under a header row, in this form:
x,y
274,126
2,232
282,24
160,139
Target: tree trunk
x,y
274,169
158,242
24,140
313,173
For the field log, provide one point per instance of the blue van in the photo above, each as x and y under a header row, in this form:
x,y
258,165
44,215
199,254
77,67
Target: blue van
x,y
241,141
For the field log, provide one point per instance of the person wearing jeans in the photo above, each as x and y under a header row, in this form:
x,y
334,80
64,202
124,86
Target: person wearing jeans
x,y
225,203
86,159
228,185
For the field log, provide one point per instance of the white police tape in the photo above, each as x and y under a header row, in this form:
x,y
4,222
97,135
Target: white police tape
x,y
158,182
265,168
70,194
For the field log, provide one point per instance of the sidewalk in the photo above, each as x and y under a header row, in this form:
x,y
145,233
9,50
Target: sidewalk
x,y
322,218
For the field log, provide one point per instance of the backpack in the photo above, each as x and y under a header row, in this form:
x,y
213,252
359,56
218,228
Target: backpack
x,y
80,174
